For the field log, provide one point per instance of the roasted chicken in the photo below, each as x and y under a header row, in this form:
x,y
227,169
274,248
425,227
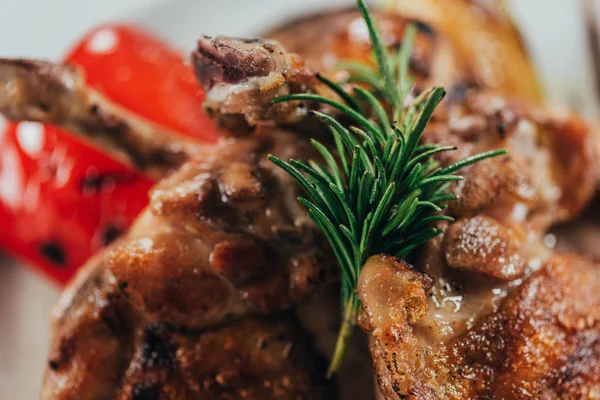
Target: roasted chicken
x,y
193,302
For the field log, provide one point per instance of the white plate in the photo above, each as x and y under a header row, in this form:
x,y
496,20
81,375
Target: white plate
x,y
42,28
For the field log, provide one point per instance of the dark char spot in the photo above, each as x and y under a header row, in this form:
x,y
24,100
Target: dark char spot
x,y
110,233
458,93
94,181
144,391
155,350
424,28
501,126
54,253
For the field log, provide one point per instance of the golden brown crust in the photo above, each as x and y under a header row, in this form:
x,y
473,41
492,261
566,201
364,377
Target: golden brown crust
x,y
484,246
543,343
452,47
487,334
207,250
222,238
106,350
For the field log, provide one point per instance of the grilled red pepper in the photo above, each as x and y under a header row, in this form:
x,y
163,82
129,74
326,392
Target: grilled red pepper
x,y
62,199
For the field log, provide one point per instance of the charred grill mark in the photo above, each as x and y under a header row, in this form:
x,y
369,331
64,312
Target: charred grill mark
x,y
54,253
115,319
250,41
505,122
501,127
64,351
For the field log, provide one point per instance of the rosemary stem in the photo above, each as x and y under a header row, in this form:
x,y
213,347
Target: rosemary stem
x,y
348,323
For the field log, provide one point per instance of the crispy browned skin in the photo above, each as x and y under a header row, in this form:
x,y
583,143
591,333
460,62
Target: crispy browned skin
x,y
465,334
542,342
222,238
57,94
169,310
108,350
506,205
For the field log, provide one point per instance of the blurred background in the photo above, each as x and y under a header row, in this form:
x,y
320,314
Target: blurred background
x,y
553,30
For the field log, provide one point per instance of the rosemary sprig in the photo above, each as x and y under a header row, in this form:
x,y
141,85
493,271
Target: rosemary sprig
x,y
379,191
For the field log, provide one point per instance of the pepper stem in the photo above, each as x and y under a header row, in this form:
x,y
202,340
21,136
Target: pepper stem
x,y
348,323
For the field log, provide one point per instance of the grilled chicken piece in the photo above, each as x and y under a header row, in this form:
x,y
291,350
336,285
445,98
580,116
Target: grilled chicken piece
x,y
107,349
241,77
541,342
453,45
170,310
455,317
222,238
325,39
57,94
